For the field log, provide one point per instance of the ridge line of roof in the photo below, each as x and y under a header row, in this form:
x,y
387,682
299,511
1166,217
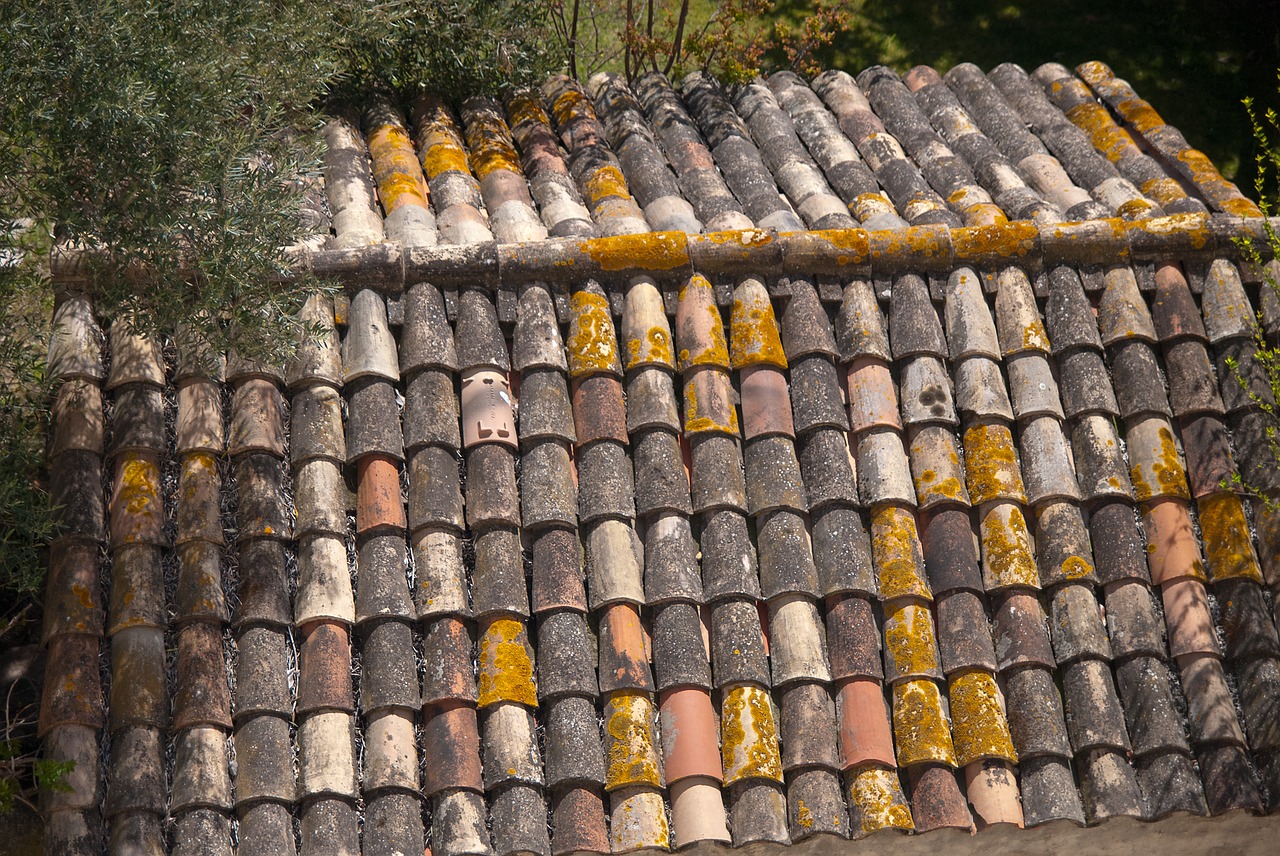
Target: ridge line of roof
x,y
391,266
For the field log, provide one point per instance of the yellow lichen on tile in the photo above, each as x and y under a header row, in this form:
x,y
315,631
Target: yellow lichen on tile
x,y
876,794
897,554
930,487
978,721
506,669
749,735
395,168
653,347
707,417
592,345
1076,568
753,332
1163,474
920,727
1227,546
628,725
604,182
139,486
909,640
1007,556
991,464
651,251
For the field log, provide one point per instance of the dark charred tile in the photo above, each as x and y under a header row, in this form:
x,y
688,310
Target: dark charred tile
x,y
373,420
262,511
1068,315
951,551
72,600
558,578
478,339
737,644
815,805
1169,784
566,656
382,590
329,827
545,411
1241,376
860,326
264,759
827,468
1108,786
1192,388
1036,719
1085,385
491,487
1094,717
202,831
671,560
1208,453
1228,782
389,674
138,782
1249,436
138,692
786,560
263,590
261,673
431,411
392,824
499,579
913,323
757,812
1244,608
451,744
137,420
202,696
728,557
605,483
842,551
1020,632
266,828
510,810
447,646
679,655
936,801
72,693
578,823
1259,682
1075,622
806,330
1119,550
548,496
426,340
1155,725
853,639
964,635
651,401
774,481
435,492
1063,552
1138,384
808,727
137,589
1133,624
662,483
